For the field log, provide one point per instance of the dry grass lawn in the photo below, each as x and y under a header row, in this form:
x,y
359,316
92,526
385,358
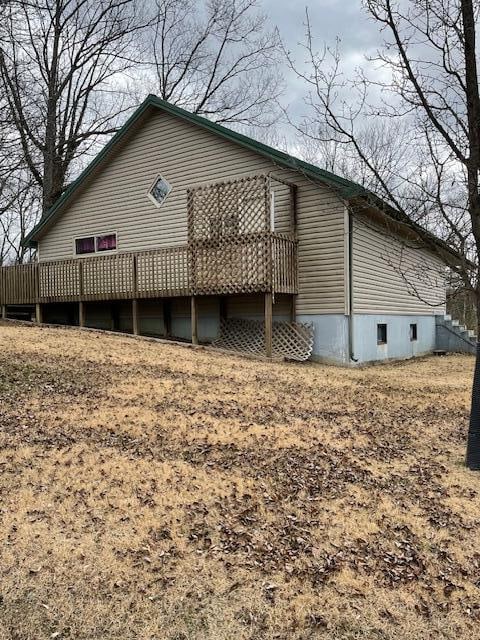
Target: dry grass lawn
x,y
150,491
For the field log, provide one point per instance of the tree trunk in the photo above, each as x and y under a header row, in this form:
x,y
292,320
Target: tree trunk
x,y
51,172
53,179
473,444
473,167
51,160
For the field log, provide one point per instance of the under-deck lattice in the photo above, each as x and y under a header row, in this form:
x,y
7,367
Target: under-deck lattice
x,y
290,340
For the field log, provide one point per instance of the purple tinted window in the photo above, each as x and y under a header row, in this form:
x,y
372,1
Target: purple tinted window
x,y
84,245
107,242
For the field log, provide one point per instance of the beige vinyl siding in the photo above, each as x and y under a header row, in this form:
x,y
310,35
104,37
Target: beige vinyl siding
x,y
393,276
114,199
252,306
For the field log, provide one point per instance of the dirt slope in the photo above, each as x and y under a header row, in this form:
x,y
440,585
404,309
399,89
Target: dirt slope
x,y
152,491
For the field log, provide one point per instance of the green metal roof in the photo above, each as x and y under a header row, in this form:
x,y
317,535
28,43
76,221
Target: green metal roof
x,y
345,188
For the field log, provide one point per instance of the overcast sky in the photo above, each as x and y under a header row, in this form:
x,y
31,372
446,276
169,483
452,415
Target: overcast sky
x,y
329,18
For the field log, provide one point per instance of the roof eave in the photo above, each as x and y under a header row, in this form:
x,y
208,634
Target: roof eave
x,y
349,191
344,187
31,239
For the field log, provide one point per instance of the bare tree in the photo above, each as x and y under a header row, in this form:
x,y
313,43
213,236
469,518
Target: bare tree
x,y
61,65
461,305
69,69
217,59
431,94
18,196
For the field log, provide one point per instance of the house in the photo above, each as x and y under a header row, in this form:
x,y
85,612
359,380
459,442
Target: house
x,y
183,228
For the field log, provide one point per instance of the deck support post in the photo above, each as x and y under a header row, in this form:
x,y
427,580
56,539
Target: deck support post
x,y
223,308
167,317
81,314
135,317
293,308
222,313
135,326
38,313
114,317
4,311
194,320
268,324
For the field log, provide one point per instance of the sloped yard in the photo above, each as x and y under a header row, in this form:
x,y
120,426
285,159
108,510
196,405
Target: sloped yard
x,y
150,491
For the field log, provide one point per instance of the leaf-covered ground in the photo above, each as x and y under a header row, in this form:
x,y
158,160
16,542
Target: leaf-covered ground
x,y
152,491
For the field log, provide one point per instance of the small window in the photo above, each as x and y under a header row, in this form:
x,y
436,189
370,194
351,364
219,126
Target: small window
x,y
159,191
381,334
413,333
85,245
215,225
94,244
230,225
108,242
226,225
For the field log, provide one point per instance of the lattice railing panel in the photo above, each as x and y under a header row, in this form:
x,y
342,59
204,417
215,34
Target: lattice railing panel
x,y
290,340
163,273
284,261
59,281
232,267
228,226
108,277
19,284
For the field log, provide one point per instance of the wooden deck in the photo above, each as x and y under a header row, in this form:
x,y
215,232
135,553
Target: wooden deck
x,y
231,249
260,262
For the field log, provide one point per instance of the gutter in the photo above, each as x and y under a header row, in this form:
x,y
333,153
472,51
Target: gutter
x,y
351,340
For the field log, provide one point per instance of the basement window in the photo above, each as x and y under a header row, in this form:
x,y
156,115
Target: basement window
x,y
381,334
159,191
413,333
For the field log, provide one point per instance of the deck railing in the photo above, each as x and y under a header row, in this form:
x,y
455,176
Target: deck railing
x,y
284,261
19,284
259,262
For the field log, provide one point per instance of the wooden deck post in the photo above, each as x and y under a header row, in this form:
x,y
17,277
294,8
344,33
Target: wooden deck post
x,y
223,310
81,304
293,309
167,317
194,320
114,317
81,314
4,311
135,326
222,314
268,324
135,317
38,313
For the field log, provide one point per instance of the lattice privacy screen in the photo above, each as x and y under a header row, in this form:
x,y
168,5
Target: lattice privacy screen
x,y
290,340
226,210
230,249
